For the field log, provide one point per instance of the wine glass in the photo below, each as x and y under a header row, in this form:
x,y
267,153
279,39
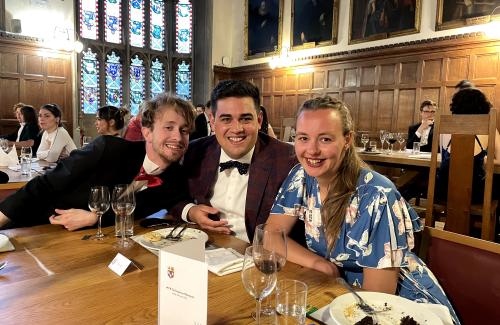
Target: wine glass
x,y
271,237
4,144
364,139
99,204
401,139
259,274
383,135
26,152
391,137
123,203
86,140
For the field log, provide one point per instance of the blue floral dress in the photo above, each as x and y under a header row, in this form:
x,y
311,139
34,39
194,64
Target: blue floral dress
x,y
377,232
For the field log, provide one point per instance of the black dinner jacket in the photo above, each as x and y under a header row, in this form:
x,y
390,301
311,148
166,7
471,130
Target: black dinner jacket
x,y
107,161
200,127
412,137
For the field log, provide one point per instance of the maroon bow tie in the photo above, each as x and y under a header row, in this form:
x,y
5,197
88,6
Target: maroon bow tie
x,y
153,181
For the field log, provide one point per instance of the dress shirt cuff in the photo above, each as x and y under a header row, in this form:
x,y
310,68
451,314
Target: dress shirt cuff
x,y
185,211
418,134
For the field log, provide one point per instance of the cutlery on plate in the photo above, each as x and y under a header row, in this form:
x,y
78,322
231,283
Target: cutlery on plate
x,y
363,305
169,236
178,237
4,264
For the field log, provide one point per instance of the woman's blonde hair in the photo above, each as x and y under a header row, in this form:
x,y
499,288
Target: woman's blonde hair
x,y
341,188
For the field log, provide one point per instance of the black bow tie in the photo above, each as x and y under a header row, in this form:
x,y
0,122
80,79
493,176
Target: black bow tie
x,y
242,168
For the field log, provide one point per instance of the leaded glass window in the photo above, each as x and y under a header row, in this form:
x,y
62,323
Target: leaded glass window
x,y
90,82
157,78
89,19
113,17
184,26
136,84
113,80
157,25
136,11
183,81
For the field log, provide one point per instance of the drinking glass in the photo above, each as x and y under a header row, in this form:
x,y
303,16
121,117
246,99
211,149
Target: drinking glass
x,y
4,144
401,139
383,135
291,302
271,237
25,166
364,139
123,203
99,204
391,137
86,140
259,275
373,145
26,152
416,148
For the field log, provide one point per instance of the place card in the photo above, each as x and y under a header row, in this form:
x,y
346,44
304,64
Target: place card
x,y
183,284
120,264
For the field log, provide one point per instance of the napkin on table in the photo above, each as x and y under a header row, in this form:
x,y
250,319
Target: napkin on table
x,y
421,156
8,159
7,246
222,261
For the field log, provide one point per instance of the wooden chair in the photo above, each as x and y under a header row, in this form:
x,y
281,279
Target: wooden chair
x,y
287,123
458,208
467,269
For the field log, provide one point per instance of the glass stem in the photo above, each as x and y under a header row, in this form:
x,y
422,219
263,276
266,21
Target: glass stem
x,y
123,230
268,304
257,312
99,233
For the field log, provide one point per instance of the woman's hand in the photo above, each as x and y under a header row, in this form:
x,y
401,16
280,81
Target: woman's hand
x,y
327,267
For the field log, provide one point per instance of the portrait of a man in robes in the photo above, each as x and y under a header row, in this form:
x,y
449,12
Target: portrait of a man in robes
x,y
313,21
454,13
262,26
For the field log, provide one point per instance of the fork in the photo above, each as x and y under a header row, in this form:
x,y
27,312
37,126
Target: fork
x,y
178,237
363,305
169,236
4,264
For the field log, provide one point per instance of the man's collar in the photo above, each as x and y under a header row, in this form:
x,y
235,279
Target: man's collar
x,y
246,159
150,167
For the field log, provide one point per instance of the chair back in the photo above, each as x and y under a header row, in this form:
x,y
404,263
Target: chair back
x,y
468,271
463,129
287,123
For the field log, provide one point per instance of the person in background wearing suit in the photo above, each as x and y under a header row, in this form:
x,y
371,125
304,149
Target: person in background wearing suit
x,y
151,167
200,109
235,175
202,124
422,132
27,132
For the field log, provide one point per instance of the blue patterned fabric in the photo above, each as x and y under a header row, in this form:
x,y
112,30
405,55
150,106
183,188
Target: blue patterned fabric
x,y
377,232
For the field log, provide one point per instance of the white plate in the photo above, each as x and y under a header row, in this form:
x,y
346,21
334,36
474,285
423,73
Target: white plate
x,y
186,235
3,240
400,307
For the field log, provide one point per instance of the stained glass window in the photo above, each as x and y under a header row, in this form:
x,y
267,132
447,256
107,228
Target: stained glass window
x,y
89,22
183,81
113,80
90,82
113,20
157,78
136,85
157,25
136,9
183,26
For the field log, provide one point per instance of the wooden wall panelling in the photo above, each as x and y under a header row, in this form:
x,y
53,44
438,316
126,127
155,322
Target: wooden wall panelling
x,y
384,110
333,79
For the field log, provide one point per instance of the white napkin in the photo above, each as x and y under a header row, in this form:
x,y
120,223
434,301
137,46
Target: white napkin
x,y
9,159
5,243
421,156
222,261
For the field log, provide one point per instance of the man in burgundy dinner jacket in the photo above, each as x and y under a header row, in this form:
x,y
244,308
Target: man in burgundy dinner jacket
x,y
234,175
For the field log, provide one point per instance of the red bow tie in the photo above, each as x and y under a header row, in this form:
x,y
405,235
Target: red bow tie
x,y
152,180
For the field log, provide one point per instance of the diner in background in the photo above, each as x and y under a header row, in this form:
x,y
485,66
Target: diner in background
x,y
422,132
133,132
468,101
27,132
265,126
357,225
61,196
56,142
109,120
202,127
235,174
200,109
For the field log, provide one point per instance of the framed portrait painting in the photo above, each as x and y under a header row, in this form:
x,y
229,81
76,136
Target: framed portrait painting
x,y
459,13
263,28
372,20
314,23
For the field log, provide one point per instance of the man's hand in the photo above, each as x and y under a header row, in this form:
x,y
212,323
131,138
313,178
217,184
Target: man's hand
x,y
425,123
199,214
73,219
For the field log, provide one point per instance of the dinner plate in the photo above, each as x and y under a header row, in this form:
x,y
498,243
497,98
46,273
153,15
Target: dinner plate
x,y
186,235
371,152
399,307
3,240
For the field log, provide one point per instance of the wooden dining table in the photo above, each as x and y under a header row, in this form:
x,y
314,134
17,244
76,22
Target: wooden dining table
x,y
55,277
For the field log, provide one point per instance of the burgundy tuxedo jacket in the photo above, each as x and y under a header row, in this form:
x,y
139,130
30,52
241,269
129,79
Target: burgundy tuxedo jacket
x,y
271,162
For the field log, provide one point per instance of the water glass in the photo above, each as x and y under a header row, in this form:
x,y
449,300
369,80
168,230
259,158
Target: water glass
x,y
416,148
4,143
129,226
25,166
123,203
291,302
86,140
373,145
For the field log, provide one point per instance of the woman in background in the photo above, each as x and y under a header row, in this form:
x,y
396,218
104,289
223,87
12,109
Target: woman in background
x,y
109,120
265,126
56,142
26,134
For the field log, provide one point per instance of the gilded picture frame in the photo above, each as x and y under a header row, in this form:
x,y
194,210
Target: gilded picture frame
x,y
319,20
371,20
263,28
452,14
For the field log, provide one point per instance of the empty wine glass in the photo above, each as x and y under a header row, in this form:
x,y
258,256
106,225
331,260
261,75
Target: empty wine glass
x,y
401,139
99,204
259,275
383,135
391,137
123,203
364,139
271,237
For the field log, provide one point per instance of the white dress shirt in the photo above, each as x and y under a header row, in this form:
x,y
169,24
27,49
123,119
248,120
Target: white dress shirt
x,y
228,194
424,136
209,129
20,131
151,169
